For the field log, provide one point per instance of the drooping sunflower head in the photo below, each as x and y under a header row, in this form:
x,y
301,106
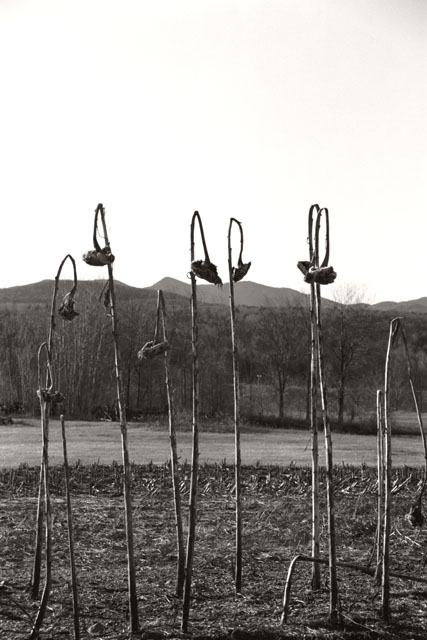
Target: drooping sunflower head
x,y
206,270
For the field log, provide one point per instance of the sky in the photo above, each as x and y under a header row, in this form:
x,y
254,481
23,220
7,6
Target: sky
x,y
253,109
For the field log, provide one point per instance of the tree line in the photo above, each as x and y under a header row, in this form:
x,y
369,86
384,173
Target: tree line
x,y
274,354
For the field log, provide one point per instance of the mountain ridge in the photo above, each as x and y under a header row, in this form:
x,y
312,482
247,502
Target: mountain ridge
x,y
247,293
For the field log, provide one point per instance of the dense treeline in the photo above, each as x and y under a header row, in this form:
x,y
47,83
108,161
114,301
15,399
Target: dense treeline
x,y
274,357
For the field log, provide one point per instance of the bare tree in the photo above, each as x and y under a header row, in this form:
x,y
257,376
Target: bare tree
x,y
347,341
281,340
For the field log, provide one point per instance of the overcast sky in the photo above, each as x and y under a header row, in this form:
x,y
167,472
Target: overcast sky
x,y
255,109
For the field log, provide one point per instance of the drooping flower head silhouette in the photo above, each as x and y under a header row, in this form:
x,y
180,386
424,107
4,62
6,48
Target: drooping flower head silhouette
x,y
98,257
313,271
239,272
204,269
155,347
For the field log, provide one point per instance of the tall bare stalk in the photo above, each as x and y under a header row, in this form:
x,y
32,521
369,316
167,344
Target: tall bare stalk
x,y
70,534
174,462
68,313
380,488
333,608
385,569
208,271
45,397
101,257
315,487
150,350
317,274
236,274
415,516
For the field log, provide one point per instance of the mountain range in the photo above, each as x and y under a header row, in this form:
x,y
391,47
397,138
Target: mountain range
x,y
252,294
246,293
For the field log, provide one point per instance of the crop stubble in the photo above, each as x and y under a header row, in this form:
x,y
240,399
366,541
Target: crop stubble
x,y
276,527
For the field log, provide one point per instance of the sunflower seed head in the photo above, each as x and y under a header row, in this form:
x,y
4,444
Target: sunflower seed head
x,y
207,271
50,396
239,272
321,275
98,258
152,349
66,310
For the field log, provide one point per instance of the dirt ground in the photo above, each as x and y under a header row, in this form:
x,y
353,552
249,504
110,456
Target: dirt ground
x,y
277,514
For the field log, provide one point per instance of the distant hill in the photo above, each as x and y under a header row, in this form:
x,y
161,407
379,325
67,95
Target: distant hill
x,y
247,293
413,306
259,295
41,292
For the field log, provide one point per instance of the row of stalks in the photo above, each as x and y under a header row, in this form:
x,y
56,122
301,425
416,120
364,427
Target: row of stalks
x,y
100,257
317,273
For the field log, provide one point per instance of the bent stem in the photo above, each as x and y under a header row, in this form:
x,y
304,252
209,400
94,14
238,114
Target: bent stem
x,y
174,454
43,393
417,409
36,571
315,486
196,216
370,571
236,389
133,601
333,611
192,515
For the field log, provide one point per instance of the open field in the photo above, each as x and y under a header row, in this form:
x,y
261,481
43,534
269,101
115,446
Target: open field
x,y
276,501
276,517
100,441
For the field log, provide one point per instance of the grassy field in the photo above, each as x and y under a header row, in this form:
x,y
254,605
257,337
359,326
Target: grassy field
x,y
149,442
